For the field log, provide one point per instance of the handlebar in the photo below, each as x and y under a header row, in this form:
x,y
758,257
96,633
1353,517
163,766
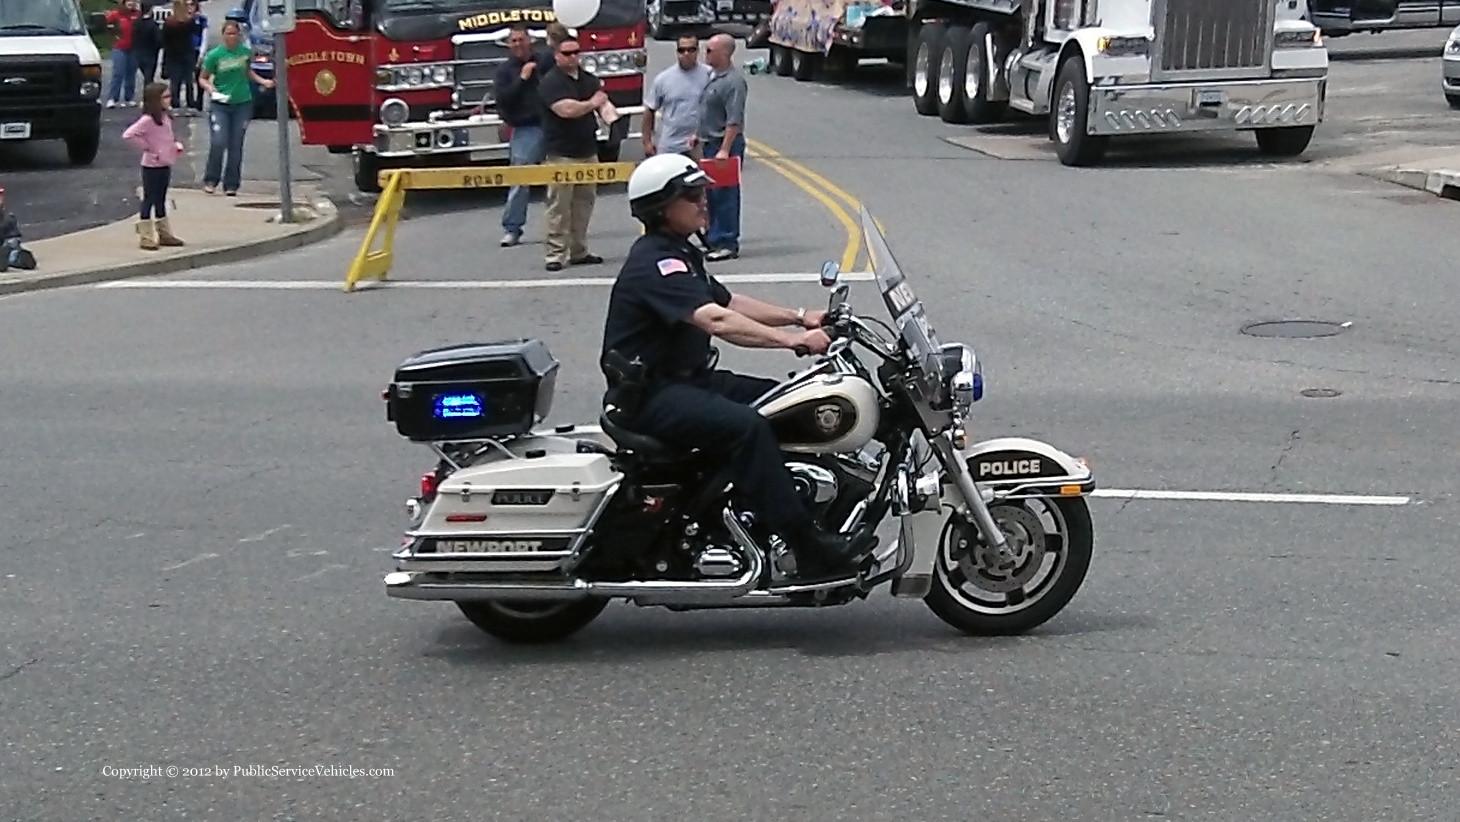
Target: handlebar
x,y
832,333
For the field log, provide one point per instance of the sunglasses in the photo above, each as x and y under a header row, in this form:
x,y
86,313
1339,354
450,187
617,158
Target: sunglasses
x,y
693,195
689,50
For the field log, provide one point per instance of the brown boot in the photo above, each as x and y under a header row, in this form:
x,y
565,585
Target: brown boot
x,y
148,232
165,235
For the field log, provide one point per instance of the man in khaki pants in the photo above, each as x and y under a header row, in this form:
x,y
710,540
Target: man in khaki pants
x,y
570,135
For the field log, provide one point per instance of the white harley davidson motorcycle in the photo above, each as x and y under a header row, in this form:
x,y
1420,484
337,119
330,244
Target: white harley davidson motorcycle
x,y
531,531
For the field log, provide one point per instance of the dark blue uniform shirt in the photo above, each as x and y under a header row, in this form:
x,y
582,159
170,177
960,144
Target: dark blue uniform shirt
x,y
662,283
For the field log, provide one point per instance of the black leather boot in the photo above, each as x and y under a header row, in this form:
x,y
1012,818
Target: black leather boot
x,y
821,556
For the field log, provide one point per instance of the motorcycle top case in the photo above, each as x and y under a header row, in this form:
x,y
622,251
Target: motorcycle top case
x,y
473,391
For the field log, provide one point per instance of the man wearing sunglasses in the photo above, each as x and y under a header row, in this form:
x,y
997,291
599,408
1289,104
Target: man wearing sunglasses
x,y
570,135
663,310
672,102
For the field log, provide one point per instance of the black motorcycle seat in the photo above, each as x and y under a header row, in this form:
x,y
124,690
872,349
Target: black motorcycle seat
x,y
641,444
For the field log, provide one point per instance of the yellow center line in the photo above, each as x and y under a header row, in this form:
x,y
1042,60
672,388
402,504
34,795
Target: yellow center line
x,y
819,188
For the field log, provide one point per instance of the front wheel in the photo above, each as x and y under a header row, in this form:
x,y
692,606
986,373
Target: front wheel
x,y
82,146
1052,540
532,622
1284,142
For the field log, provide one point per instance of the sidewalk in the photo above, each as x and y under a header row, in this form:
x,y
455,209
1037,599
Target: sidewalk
x,y
1436,170
217,229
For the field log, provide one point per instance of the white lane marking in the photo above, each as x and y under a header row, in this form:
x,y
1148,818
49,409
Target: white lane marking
x,y
1247,496
558,282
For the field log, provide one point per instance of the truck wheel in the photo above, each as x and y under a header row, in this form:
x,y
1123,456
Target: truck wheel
x,y
81,147
367,172
781,57
1453,100
1070,113
977,83
951,68
924,65
1284,142
803,65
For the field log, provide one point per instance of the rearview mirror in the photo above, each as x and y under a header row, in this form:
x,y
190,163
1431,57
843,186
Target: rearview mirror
x,y
829,272
838,297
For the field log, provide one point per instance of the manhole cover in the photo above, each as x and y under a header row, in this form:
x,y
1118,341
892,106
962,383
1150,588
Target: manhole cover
x,y
1320,393
1295,328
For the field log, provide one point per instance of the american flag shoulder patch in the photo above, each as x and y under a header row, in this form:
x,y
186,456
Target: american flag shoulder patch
x,y
671,265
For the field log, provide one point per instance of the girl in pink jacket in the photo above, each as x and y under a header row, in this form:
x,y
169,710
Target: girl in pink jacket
x,y
152,135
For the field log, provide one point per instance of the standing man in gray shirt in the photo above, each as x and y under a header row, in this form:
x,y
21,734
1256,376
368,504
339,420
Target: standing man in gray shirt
x,y
673,102
722,135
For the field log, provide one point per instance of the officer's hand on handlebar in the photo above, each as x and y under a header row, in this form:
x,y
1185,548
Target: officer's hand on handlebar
x,y
815,341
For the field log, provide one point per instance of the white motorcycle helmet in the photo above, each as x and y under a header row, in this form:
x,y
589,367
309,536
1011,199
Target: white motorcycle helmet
x,y
658,180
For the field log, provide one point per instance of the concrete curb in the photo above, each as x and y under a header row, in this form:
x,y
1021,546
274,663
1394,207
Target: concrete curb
x,y
327,225
1439,182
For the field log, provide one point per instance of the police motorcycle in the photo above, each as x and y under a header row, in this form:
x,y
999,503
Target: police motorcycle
x,y
531,531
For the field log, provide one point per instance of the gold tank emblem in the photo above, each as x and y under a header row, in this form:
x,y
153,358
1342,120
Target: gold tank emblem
x,y
326,82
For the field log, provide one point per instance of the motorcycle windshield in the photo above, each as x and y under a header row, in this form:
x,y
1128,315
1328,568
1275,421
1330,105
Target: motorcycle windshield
x,y
908,315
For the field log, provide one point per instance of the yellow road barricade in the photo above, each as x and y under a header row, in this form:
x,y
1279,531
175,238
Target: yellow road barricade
x,y
374,263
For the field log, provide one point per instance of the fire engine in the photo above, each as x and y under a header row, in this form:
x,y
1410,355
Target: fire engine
x,y
409,83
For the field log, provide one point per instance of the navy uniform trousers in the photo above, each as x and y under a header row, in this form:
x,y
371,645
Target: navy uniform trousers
x,y
711,411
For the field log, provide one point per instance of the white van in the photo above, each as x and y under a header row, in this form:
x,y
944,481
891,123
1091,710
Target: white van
x,y
50,76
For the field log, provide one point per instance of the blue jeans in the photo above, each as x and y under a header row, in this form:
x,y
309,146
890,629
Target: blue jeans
x,y
124,77
724,203
526,149
227,123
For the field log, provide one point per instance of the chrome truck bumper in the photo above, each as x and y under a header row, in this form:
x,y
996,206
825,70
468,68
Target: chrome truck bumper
x,y
482,135
1210,106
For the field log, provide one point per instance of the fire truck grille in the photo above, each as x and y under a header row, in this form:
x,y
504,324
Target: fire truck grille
x,y
1215,35
477,65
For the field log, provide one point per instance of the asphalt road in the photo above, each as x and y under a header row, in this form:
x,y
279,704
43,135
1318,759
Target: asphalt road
x,y
203,493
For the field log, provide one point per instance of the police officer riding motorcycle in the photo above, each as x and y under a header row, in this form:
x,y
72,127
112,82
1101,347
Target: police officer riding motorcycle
x,y
659,363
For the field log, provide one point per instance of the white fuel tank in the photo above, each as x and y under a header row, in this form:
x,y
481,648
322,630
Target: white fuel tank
x,y
831,414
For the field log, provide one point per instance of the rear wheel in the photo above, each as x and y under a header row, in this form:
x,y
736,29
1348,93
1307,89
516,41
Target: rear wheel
x,y
527,622
1052,541
925,68
1453,100
803,64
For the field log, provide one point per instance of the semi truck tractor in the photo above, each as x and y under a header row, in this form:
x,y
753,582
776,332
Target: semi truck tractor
x,y
1096,68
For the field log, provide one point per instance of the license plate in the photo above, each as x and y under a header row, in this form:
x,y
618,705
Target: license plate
x,y
14,131
479,156
488,546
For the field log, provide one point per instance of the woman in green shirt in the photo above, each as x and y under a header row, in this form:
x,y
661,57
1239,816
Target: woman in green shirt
x,y
225,75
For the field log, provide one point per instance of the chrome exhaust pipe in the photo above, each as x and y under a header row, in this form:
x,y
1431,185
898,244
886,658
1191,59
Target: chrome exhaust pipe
x,y
410,585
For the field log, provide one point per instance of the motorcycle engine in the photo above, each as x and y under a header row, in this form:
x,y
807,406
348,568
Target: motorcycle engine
x,y
816,486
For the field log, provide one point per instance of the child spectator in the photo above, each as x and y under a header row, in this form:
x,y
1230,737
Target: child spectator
x,y
152,135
